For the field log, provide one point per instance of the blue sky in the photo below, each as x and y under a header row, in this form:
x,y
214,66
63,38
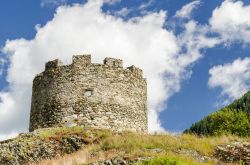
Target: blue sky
x,y
210,75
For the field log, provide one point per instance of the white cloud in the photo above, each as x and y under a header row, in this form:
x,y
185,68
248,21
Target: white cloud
x,y
8,136
82,29
195,37
112,2
2,62
78,29
123,12
53,2
143,6
233,78
64,2
185,11
193,40
232,21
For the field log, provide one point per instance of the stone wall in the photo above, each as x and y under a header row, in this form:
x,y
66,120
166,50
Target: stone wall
x,y
93,95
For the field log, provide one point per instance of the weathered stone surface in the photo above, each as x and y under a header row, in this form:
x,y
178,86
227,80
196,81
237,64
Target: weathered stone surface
x,y
234,152
30,148
91,95
193,153
121,161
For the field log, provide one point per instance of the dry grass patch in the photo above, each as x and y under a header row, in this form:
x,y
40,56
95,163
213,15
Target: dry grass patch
x,y
104,144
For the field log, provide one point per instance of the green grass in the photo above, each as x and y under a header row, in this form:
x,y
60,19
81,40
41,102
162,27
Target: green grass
x,y
131,142
163,161
132,145
60,131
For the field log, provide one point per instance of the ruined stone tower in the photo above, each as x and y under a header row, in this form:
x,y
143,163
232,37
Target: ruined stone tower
x,y
92,95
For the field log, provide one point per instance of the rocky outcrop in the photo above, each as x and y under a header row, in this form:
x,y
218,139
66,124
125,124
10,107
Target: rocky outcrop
x,y
103,147
121,161
193,153
233,153
27,148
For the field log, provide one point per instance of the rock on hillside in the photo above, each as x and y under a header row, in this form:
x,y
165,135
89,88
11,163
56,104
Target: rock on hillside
x,y
96,146
30,148
234,152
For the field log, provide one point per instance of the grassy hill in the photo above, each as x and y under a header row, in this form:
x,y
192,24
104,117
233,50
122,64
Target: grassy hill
x,y
233,119
79,146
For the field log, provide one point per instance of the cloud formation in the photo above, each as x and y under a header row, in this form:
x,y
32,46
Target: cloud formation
x,y
233,78
2,62
83,29
231,21
53,2
123,12
165,57
143,6
193,40
186,10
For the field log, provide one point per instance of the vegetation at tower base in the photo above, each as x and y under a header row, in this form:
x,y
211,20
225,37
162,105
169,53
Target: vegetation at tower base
x,y
233,119
79,145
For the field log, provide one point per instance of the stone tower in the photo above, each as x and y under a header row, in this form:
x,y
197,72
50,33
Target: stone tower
x,y
92,95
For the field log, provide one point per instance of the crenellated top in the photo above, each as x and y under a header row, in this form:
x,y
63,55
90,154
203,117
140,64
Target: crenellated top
x,y
87,94
53,64
82,61
134,69
113,62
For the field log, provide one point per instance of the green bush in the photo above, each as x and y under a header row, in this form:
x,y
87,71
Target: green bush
x,y
231,120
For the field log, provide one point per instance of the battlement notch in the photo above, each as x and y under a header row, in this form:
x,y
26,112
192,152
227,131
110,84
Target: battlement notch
x,y
113,62
135,70
53,64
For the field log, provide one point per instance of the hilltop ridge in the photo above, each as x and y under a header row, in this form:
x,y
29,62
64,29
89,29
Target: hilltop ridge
x,y
233,119
78,145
